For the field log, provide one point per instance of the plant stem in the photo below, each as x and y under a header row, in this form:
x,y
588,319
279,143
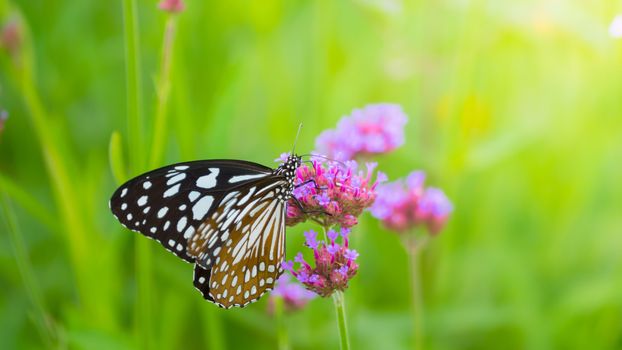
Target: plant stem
x,y
43,323
414,247
340,308
163,92
133,85
279,314
134,128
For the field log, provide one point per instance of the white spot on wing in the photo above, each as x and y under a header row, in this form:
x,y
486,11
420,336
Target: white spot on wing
x,y
248,195
142,201
181,224
147,185
202,207
189,232
172,191
175,179
162,212
241,178
193,195
208,181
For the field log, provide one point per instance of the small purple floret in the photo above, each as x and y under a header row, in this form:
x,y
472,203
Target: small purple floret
x,y
335,265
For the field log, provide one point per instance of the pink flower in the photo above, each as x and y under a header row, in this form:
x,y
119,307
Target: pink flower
x,y
172,6
403,205
11,37
334,264
375,129
294,295
331,193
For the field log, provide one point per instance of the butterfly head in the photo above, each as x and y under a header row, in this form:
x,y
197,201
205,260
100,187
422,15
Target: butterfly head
x,y
288,168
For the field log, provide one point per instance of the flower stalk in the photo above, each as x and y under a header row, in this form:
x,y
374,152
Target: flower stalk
x,y
279,315
340,309
143,321
414,247
44,324
163,93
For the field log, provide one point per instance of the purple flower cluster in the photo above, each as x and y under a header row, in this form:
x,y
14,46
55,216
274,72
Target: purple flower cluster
x,y
331,193
294,295
335,264
402,205
172,6
374,129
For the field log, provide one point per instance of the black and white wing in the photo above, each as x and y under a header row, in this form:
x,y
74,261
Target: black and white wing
x,y
169,204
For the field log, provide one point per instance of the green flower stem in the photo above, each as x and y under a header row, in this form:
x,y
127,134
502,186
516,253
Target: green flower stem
x,y
163,92
143,320
414,247
43,323
115,157
279,314
133,86
340,308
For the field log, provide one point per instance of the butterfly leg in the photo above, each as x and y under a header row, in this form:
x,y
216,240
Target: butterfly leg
x,y
304,211
308,182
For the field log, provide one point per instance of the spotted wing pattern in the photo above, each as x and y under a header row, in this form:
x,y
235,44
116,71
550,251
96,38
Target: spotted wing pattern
x,y
243,243
226,216
170,203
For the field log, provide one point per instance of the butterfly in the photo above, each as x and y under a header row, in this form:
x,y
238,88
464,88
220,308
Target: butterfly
x,y
227,217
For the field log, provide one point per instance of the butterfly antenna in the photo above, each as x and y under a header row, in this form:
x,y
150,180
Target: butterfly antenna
x,y
324,157
296,139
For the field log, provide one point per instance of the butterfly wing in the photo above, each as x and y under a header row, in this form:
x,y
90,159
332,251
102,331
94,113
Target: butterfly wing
x,y
240,248
169,204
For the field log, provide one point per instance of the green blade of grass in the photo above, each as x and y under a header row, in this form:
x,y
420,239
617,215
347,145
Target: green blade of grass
x,y
115,157
29,203
44,324
143,316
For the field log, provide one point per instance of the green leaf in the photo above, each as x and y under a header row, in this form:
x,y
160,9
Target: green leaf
x,y
115,156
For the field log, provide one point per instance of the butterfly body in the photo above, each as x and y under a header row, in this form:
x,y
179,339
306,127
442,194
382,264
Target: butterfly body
x,y
225,216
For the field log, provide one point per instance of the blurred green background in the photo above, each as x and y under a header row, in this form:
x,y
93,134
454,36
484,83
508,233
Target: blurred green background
x,y
515,111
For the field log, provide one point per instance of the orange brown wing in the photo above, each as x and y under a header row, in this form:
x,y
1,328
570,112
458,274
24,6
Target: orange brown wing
x,y
239,250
